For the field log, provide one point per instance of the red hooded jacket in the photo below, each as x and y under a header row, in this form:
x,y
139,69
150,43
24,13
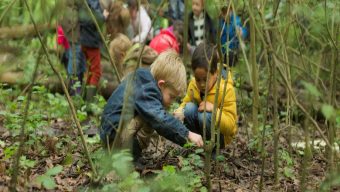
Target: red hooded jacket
x,y
164,40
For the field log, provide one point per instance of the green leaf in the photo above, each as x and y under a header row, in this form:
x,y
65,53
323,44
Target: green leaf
x,y
169,169
68,159
121,163
46,181
203,189
200,150
2,143
220,158
21,98
144,189
311,89
49,183
26,162
332,180
328,111
288,172
9,151
54,171
93,140
188,145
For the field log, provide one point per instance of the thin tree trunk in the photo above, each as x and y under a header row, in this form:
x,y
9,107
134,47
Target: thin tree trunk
x,y
185,35
22,133
332,96
6,11
263,133
274,65
306,158
275,127
69,99
256,103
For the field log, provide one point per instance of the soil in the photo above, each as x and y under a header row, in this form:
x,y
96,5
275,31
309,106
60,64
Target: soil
x,y
240,171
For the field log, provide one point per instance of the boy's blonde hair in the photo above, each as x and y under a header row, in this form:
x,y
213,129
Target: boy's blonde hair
x,y
169,67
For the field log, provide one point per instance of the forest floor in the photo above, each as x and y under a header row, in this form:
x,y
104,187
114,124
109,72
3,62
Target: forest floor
x,y
240,170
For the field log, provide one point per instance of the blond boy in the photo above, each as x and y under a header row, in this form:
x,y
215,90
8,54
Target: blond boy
x,y
140,103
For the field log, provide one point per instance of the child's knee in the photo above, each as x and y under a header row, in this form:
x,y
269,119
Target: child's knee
x,y
207,118
190,109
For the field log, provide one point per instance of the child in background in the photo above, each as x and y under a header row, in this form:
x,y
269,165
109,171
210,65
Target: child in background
x,y
131,59
194,102
91,41
159,16
231,27
170,38
118,19
68,37
141,22
126,54
201,26
151,92
118,48
67,59
176,10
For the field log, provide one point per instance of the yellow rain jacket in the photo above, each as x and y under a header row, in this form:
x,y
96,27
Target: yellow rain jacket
x,y
229,115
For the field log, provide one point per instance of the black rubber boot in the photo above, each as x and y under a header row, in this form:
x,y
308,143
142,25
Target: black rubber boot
x,y
89,97
90,92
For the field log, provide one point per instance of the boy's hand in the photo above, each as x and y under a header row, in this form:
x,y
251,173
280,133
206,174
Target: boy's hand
x,y
239,31
105,13
208,106
179,114
195,138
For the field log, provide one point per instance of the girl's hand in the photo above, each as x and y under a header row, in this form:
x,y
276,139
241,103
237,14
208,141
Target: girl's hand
x,y
208,106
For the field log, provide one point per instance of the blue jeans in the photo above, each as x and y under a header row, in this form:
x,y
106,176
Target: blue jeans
x,y
80,61
193,120
176,9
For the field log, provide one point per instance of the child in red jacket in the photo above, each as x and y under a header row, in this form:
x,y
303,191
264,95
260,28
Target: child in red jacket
x,y
170,38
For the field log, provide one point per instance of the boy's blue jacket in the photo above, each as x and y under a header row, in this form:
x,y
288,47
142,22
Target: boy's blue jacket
x,y
89,35
229,33
146,102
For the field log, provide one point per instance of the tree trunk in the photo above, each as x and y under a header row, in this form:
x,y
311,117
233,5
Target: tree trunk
x,y
21,31
254,71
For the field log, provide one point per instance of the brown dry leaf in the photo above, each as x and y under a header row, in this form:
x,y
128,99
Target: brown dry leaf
x,y
35,184
49,163
50,144
148,172
4,188
180,161
6,134
59,180
64,184
2,167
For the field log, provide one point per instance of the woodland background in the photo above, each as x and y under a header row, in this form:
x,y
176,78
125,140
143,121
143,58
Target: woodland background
x,y
287,83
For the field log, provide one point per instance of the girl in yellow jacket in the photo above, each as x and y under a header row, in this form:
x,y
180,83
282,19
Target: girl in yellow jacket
x,y
193,103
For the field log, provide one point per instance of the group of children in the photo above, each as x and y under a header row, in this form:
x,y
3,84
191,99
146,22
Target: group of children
x,y
138,107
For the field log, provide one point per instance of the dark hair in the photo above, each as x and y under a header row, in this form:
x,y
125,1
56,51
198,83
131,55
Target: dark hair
x,y
179,28
132,4
203,53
